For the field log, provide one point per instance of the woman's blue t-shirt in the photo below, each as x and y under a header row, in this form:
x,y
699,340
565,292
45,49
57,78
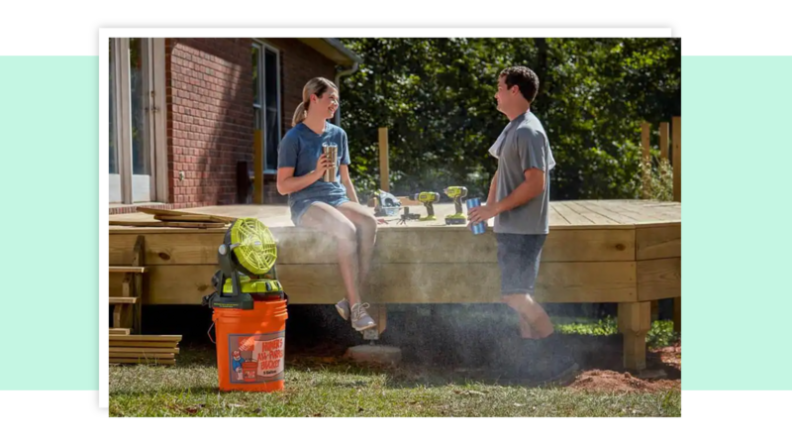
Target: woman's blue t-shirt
x,y
301,149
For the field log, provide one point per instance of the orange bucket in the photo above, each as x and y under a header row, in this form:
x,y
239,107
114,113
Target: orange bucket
x,y
251,346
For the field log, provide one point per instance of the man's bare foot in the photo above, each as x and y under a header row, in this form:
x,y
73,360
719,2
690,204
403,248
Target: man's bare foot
x,y
538,328
526,332
534,321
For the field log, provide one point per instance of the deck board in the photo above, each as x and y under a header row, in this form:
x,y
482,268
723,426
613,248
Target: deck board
x,y
597,208
555,218
597,251
595,217
593,214
571,215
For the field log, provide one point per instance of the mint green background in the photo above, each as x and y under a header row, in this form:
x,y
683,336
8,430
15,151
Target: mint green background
x,y
737,159
737,223
49,181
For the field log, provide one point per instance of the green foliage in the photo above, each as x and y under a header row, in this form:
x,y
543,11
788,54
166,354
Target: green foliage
x,y
602,327
661,334
661,180
436,96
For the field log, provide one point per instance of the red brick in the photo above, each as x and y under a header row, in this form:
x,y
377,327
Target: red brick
x,y
210,113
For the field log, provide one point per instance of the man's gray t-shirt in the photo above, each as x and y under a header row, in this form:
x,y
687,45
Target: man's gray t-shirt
x,y
523,145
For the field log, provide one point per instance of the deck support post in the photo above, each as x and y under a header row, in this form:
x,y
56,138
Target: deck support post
x,y
634,323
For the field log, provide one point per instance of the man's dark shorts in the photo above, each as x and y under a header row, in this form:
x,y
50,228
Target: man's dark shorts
x,y
518,259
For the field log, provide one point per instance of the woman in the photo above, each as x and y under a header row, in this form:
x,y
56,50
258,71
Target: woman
x,y
328,206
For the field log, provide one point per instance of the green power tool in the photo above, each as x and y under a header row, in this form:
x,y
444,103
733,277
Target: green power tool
x,y
247,267
456,193
427,198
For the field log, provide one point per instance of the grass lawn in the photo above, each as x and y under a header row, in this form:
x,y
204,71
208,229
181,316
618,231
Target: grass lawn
x,y
329,386
315,388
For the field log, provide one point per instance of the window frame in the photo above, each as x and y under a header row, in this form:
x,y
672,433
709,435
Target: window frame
x,y
263,47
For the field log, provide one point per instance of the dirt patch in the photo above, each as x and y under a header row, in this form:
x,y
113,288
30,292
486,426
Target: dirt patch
x,y
664,372
612,381
670,356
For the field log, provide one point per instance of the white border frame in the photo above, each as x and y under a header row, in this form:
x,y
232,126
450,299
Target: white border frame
x,y
106,33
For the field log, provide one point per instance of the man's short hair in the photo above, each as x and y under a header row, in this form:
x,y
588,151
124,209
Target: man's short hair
x,y
524,78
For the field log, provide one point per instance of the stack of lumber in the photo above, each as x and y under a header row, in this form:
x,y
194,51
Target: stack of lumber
x,y
143,349
176,219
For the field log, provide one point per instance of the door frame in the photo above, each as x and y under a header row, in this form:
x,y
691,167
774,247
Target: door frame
x,y
155,122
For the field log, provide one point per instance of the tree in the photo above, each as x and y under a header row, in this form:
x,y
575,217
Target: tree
x,y
436,96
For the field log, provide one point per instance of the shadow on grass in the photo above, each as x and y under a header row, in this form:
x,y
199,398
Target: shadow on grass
x,y
452,346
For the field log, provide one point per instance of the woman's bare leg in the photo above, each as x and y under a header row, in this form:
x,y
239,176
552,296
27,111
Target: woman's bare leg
x,y
326,218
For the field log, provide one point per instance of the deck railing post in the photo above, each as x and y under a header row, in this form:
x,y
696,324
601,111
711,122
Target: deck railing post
x,y
383,159
646,159
664,141
677,156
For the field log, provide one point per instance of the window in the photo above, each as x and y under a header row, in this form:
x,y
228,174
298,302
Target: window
x,y
267,101
138,165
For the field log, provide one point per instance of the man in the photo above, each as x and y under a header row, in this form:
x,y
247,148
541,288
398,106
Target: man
x,y
519,199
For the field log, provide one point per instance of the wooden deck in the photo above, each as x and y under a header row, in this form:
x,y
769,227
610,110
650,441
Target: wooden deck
x,y
624,251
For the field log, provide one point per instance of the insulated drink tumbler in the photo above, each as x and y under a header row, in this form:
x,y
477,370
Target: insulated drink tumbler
x,y
480,227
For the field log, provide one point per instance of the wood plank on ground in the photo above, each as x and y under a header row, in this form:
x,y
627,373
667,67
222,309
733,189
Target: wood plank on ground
x,y
142,355
160,338
148,361
143,344
114,350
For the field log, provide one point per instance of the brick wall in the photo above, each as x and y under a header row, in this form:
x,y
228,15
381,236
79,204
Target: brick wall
x,y
210,118
299,63
210,114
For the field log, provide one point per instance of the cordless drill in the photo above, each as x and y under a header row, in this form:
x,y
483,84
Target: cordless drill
x,y
427,198
456,193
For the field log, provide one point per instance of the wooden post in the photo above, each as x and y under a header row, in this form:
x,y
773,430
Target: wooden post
x,y
646,158
380,316
258,167
383,159
677,155
677,137
634,323
137,260
664,140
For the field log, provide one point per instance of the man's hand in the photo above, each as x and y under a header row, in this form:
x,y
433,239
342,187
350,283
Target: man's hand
x,y
482,213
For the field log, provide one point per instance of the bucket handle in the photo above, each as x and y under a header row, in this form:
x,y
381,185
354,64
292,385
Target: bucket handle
x,y
209,333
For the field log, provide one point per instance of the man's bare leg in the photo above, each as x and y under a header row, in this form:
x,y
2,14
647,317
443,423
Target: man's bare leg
x,y
534,321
